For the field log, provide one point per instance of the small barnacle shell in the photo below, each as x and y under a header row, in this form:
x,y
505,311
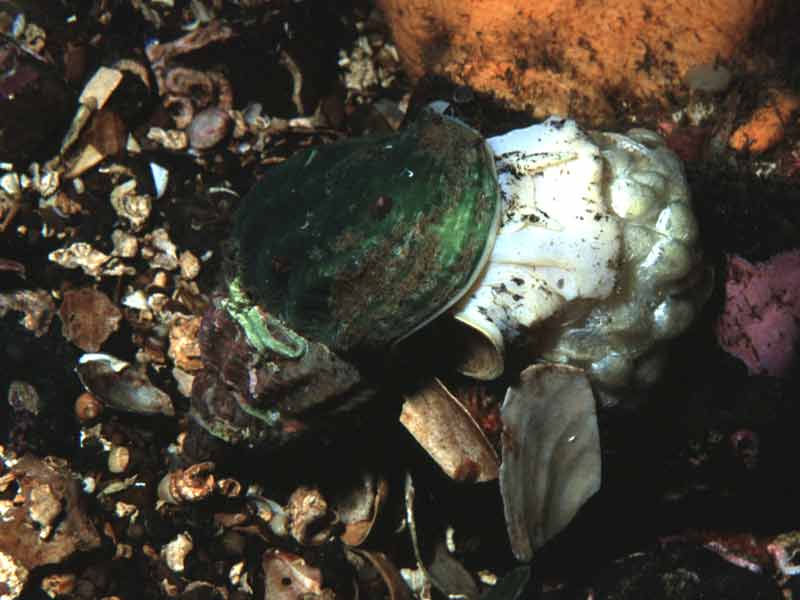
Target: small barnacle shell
x,y
191,484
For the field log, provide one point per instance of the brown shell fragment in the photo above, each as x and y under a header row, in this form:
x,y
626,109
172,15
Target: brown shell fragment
x,y
550,454
309,518
358,505
448,575
107,133
48,524
441,425
88,318
288,577
184,346
366,562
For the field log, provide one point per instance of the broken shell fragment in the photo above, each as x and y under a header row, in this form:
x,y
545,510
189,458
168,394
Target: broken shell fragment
x,y
175,552
357,506
551,462
88,318
122,386
441,425
119,459
100,87
47,522
309,518
184,348
272,513
288,577
130,206
366,562
36,305
94,263
159,250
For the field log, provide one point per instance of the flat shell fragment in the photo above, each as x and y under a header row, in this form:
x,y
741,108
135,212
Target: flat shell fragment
x,y
551,462
288,577
441,425
100,87
88,318
449,576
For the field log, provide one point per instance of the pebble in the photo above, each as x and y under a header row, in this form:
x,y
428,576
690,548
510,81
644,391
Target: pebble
x,y
208,128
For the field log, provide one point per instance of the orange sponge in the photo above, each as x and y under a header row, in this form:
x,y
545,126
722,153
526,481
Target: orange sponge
x,y
587,59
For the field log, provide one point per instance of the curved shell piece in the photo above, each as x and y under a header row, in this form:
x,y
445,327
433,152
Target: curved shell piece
x,y
359,243
551,454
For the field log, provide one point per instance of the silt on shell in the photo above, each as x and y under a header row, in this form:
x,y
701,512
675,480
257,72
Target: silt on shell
x,y
359,243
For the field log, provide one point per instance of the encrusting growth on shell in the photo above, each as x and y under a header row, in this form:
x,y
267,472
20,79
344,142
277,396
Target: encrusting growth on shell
x,y
596,258
558,239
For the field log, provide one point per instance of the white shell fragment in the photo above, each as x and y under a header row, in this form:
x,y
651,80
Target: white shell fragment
x,y
160,179
288,576
93,262
445,429
130,206
13,575
175,552
159,250
596,260
551,461
122,386
558,240
100,87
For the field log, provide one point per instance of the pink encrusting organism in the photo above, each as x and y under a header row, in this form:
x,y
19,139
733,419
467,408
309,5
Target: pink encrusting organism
x,y
760,323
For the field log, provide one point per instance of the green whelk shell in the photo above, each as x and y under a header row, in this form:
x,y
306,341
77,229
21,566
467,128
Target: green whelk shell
x,y
357,244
